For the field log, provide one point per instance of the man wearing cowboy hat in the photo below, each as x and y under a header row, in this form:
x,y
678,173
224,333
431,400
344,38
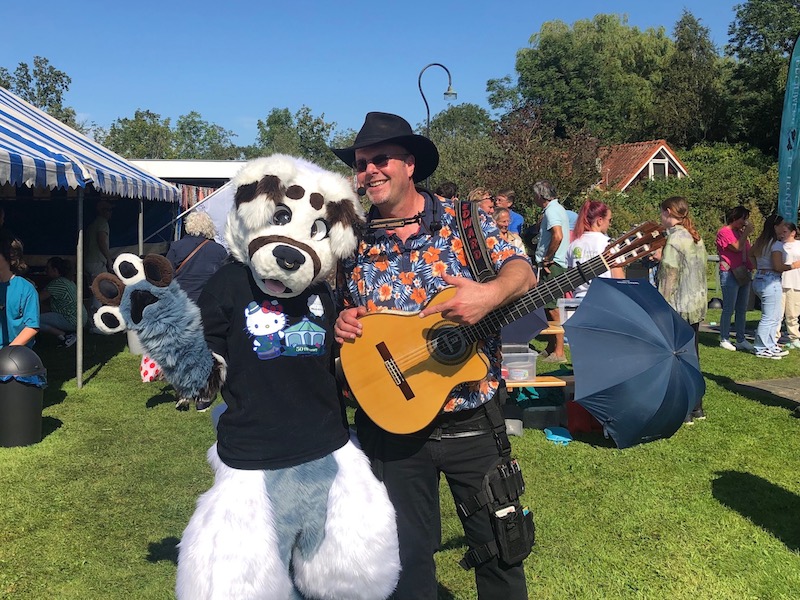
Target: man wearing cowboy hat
x,y
424,254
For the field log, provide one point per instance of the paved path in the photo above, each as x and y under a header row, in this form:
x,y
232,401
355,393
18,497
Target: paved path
x,y
787,388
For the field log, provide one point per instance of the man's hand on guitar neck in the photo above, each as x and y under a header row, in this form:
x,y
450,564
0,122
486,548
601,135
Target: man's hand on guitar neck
x,y
347,326
473,300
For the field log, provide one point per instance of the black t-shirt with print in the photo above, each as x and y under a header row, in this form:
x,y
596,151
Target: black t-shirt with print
x,y
284,407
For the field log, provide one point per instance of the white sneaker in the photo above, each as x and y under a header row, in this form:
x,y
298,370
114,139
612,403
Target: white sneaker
x,y
768,354
745,346
726,345
779,352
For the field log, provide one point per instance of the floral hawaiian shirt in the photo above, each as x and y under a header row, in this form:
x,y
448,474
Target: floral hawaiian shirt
x,y
389,274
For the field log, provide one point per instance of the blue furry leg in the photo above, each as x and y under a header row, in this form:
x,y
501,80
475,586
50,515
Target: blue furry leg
x,y
300,500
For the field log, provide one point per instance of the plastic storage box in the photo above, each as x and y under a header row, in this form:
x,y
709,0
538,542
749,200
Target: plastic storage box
x,y
567,307
519,362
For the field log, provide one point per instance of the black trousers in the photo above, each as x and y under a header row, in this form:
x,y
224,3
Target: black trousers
x,y
410,467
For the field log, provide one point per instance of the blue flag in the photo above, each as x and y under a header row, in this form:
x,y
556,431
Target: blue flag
x,y
788,153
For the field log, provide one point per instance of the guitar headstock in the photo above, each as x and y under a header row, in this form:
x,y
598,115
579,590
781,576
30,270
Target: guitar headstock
x,y
635,244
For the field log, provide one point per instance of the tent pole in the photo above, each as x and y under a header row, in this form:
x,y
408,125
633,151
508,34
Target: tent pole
x,y
178,218
141,226
79,281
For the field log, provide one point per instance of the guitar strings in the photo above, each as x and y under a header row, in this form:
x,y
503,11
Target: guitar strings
x,y
491,323
633,243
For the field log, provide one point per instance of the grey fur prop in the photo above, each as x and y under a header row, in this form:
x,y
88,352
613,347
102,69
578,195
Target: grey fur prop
x,y
166,321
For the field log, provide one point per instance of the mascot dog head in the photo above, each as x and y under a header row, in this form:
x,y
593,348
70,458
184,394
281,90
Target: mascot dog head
x,y
291,222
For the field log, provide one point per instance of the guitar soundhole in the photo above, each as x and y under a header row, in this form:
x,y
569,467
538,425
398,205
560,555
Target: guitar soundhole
x,y
448,345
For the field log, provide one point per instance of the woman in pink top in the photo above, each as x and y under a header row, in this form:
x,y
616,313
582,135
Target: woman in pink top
x,y
733,247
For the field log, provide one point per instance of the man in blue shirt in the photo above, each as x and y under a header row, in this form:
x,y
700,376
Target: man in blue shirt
x,y
505,199
551,255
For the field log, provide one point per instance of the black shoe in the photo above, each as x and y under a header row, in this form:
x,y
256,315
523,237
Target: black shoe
x,y
688,420
698,415
203,405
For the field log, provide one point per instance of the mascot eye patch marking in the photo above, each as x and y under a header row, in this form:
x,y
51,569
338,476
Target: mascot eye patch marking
x,y
295,192
269,185
317,200
343,213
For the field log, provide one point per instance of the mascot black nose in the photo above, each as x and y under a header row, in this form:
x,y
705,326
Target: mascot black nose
x,y
289,259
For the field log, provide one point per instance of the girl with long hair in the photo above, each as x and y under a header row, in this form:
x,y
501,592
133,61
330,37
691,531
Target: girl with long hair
x,y
682,272
767,252
790,282
591,229
732,248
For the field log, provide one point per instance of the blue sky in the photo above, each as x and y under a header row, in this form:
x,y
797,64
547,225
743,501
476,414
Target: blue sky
x,y
233,61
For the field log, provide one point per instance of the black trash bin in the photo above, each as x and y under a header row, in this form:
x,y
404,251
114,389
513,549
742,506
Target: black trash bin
x,y
22,382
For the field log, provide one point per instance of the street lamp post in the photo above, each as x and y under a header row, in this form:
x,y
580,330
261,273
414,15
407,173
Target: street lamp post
x,y
450,94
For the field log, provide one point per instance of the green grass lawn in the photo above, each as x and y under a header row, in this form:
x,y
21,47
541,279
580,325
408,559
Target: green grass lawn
x,y
96,508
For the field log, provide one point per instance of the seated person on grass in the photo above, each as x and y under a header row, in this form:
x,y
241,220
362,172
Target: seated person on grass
x,y
62,293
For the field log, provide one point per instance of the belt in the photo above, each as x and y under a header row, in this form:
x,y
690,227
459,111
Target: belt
x,y
459,424
766,272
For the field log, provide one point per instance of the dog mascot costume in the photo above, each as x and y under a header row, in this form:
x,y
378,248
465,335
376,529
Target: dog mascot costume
x,y
295,511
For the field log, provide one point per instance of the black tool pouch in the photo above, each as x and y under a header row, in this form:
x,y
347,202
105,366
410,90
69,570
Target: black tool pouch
x,y
514,533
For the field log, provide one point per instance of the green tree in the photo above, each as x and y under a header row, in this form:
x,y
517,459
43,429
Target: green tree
x,y
146,135
44,87
598,74
463,135
761,38
301,134
687,104
194,137
530,149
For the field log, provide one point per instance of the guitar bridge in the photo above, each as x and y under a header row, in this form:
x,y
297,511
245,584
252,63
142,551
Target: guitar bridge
x,y
394,371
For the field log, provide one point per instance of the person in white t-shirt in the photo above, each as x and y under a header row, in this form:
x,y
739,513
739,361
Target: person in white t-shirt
x,y
790,282
591,240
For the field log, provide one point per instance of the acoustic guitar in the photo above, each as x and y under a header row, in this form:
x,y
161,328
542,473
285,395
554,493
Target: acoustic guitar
x,y
403,367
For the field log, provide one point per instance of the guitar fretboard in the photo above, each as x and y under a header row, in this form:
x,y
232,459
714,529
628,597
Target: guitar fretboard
x,y
534,298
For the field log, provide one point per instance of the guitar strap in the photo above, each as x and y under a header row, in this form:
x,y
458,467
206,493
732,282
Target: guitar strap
x,y
480,265
514,530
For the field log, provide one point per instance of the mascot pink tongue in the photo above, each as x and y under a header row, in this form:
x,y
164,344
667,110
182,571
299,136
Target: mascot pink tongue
x,y
274,286
294,511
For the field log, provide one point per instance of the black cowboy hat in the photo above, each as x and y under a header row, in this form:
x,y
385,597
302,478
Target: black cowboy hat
x,y
380,128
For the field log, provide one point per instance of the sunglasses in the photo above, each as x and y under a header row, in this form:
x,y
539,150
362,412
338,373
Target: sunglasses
x,y
379,160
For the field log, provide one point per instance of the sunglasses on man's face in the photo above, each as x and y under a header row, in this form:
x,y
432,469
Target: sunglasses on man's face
x,y
379,160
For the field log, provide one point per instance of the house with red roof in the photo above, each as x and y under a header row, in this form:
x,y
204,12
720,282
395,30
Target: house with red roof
x,y
623,165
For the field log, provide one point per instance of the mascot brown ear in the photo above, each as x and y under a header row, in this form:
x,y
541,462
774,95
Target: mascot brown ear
x,y
157,270
108,288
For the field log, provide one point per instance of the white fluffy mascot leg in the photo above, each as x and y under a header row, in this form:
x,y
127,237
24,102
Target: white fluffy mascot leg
x,y
338,531
229,549
359,557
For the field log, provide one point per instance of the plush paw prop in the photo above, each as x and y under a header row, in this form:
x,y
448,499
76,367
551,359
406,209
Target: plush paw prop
x,y
143,297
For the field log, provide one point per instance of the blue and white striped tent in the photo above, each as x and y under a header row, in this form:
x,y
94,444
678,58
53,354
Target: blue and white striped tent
x,y
39,151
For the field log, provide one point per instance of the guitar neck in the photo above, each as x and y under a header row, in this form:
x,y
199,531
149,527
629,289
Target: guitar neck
x,y
535,298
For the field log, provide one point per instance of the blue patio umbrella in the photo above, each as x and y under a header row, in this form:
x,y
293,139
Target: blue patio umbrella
x,y
636,369
525,328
